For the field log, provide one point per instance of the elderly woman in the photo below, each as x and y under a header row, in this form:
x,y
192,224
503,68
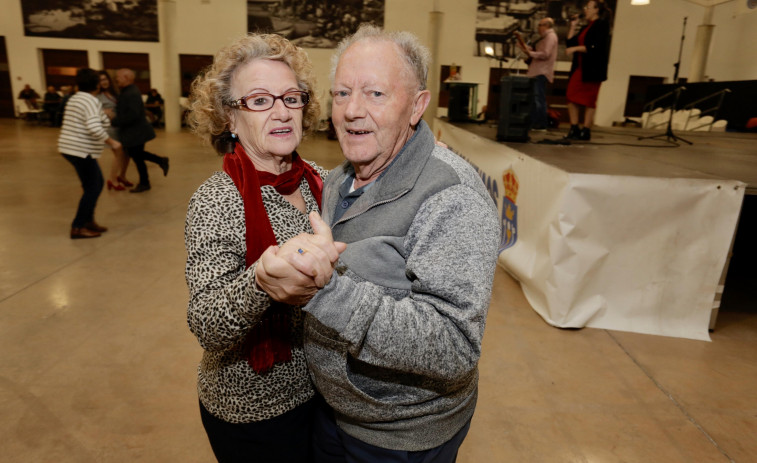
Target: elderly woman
x,y
253,106
590,48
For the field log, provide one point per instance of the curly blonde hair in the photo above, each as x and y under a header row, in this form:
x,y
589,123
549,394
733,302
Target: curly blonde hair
x,y
211,90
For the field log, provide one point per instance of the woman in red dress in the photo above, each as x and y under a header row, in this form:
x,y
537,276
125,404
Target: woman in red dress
x,y
590,48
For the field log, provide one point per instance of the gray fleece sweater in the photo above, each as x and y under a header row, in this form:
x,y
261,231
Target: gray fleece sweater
x,y
394,339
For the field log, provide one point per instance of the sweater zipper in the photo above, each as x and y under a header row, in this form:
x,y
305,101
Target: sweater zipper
x,y
371,207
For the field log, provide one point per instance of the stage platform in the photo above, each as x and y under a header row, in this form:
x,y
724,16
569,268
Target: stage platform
x,y
617,151
617,233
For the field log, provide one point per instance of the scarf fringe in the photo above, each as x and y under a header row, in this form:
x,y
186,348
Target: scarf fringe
x,y
269,342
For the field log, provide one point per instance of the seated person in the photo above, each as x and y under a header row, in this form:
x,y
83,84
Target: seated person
x,y
51,104
154,106
30,97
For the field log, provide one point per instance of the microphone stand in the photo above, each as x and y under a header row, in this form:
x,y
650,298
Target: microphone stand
x,y
680,49
670,136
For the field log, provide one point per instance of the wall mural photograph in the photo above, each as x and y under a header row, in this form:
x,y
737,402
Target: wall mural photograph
x,y
498,21
132,20
313,23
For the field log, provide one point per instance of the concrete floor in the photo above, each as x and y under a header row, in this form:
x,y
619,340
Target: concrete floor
x,y
98,364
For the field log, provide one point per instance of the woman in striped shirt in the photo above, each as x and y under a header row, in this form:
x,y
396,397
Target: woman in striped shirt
x,y
81,142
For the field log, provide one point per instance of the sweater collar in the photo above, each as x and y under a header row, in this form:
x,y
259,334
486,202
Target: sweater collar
x,y
398,178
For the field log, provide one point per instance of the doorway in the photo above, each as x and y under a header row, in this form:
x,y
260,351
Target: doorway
x,y
61,66
190,66
6,92
137,62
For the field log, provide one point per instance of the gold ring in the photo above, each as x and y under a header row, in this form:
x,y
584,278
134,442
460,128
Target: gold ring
x,y
302,251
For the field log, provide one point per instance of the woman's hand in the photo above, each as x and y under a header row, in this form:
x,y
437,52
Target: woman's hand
x,y
282,281
578,49
573,26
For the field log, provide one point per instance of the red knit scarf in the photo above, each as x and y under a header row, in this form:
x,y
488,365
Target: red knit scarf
x,y
269,341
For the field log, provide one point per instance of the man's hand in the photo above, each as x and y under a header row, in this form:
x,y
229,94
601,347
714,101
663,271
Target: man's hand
x,y
314,255
294,272
521,43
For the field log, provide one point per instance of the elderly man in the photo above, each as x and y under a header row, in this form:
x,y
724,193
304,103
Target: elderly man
x,y
542,69
394,337
134,128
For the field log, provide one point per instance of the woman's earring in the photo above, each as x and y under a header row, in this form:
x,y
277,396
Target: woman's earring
x,y
233,135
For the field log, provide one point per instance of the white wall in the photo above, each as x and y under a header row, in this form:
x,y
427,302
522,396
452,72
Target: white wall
x,y
646,41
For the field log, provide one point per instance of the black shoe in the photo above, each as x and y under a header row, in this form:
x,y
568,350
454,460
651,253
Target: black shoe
x,y
573,133
95,227
164,166
585,134
139,188
79,233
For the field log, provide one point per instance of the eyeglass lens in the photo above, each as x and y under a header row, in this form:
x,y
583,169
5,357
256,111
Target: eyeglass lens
x,y
264,101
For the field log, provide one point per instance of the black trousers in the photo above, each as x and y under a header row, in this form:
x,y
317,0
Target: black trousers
x,y
139,155
91,178
284,438
332,445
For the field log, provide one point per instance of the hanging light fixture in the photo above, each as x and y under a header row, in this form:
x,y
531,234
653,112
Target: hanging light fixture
x,y
639,2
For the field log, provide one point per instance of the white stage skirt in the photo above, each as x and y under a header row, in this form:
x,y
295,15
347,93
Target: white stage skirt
x,y
639,254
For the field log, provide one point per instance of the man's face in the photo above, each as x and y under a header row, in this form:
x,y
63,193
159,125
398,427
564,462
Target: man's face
x,y
374,105
543,27
122,79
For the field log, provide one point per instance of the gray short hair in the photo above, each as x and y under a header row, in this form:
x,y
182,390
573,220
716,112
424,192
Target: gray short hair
x,y
417,57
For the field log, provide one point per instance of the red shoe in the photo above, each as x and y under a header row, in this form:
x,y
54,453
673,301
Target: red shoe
x,y
112,186
124,182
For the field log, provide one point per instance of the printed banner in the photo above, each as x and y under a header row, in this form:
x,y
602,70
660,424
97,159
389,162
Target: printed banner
x,y
639,254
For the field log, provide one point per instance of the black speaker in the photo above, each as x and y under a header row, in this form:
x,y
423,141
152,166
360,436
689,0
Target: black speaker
x,y
459,104
554,10
515,100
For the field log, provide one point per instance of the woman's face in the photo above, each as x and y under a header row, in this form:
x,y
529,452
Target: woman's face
x,y
104,83
591,10
275,132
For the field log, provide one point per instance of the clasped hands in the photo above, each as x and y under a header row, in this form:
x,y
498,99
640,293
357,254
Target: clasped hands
x,y
293,272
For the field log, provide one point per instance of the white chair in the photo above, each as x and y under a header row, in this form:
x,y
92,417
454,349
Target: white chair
x,y
719,125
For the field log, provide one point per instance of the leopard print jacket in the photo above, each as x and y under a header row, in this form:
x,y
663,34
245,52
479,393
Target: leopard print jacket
x,y
224,304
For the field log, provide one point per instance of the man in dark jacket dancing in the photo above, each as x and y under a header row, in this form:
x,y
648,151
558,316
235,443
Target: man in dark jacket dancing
x,y
134,128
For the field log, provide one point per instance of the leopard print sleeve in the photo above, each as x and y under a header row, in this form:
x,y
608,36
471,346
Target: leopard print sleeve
x,y
223,301
323,173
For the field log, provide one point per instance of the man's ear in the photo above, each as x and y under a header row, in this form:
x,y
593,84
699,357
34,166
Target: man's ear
x,y
420,103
